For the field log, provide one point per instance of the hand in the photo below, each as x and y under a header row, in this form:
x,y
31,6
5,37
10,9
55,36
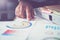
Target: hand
x,y
24,10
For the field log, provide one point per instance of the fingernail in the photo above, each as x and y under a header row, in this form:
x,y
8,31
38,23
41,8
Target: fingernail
x,y
31,18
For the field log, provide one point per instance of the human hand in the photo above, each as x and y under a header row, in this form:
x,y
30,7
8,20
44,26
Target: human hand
x,y
24,10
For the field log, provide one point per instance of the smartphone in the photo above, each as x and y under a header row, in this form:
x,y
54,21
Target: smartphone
x,y
7,9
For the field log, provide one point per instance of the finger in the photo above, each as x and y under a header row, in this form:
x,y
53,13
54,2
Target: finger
x,y
17,11
22,10
29,12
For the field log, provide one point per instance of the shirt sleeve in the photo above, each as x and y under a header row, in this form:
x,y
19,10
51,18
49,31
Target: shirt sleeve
x,y
41,3
38,0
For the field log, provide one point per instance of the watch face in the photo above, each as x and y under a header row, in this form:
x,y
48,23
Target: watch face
x,y
7,9
51,38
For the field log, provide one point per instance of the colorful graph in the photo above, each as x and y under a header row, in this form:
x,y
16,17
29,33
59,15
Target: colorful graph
x,y
20,25
8,32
